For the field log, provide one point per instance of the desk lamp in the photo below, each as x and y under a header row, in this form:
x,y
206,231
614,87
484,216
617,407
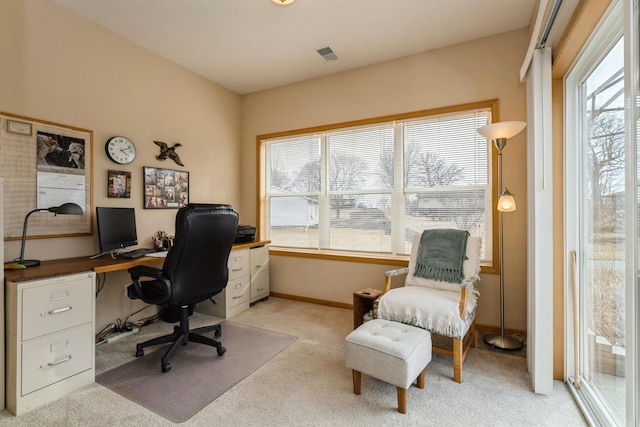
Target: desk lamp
x,y
499,133
64,209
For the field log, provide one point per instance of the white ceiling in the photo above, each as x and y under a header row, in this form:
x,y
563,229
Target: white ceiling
x,y
252,45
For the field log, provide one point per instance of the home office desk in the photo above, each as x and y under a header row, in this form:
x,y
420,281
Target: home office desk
x,y
50,320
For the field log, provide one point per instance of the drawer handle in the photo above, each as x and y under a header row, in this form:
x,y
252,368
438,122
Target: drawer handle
x,y
57,362
237,269
60,310
260,289
238,297
259,265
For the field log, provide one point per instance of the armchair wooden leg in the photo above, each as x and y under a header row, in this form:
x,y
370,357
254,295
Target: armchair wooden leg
x,y
421,378
457,360
402,400
357,381
472,334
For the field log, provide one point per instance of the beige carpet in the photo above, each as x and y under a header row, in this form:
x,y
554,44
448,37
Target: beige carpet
x,y
198,375
307,384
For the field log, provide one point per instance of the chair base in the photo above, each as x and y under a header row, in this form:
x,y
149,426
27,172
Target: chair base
x,y
181,336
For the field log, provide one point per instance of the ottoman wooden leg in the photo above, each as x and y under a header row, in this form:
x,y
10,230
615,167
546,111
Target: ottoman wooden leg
x,y
421,378
402,400
357,380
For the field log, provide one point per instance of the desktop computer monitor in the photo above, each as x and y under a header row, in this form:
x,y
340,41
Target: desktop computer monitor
x,y
116,228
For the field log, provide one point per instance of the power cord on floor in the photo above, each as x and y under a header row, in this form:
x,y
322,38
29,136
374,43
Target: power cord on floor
x,y
120,326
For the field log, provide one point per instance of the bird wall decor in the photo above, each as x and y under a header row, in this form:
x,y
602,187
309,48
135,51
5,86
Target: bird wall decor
x,y
170,152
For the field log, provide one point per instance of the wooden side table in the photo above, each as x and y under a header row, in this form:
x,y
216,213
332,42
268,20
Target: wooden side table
x,y
363,303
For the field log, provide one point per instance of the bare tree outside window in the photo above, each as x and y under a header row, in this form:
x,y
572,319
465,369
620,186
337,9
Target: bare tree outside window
x,y
345,173
308,179
278,174
606,156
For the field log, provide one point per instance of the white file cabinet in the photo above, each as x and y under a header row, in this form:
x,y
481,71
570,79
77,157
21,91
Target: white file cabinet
x,y
248,282
234,298
259,259
50,341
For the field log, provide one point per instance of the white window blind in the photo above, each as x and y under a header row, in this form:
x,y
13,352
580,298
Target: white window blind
x,y
371,188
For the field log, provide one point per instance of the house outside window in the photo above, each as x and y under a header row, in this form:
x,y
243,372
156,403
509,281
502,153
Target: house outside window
x,y
367,188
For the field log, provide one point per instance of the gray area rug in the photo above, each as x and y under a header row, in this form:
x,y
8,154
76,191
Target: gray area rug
x,y
198,375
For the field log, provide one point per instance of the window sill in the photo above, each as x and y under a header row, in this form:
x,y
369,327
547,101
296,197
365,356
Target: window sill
x,y
360,257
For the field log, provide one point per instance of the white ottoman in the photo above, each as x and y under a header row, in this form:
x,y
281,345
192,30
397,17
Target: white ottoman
x,y
389,351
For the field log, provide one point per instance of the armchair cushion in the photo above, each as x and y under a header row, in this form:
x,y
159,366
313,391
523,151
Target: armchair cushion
x,y
435,310
471,267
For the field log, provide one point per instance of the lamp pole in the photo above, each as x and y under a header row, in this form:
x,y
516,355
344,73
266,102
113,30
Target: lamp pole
x,y
501,341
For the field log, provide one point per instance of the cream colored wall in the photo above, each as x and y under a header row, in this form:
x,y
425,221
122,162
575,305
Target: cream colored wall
x,y
59,67
474,71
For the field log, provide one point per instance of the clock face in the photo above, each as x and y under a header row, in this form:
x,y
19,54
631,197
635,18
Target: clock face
x,y
120,149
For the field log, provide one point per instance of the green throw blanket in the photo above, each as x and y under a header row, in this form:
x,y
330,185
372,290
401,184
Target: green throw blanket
x,y
441,255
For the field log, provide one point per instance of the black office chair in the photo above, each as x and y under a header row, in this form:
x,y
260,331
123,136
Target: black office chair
x,y
195,270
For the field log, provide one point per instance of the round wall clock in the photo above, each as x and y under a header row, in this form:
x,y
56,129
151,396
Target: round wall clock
x,y
120,149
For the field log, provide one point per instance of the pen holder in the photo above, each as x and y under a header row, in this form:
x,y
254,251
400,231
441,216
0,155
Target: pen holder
x,y
162,240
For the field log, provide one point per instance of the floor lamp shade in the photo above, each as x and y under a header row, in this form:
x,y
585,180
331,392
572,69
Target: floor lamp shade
x,y
499,133
506,202
64,209
501,130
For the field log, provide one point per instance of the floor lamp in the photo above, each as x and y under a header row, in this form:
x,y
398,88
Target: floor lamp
x,y
499,133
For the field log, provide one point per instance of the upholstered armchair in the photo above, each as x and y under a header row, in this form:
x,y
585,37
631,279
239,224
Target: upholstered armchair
x,y
441,307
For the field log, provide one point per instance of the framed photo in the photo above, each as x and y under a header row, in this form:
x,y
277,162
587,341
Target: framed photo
x,y
119,184
22,128
165,188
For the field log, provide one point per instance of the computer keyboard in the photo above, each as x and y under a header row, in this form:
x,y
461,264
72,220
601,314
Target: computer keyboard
x,y
136,253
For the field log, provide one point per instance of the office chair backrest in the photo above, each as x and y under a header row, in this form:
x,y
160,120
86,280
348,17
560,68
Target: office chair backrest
x,y
196,265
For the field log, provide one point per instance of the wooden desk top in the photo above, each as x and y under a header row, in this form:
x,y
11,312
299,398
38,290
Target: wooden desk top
x,y
103,264
63,267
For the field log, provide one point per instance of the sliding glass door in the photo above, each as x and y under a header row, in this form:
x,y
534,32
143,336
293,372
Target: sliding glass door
x,y
600,223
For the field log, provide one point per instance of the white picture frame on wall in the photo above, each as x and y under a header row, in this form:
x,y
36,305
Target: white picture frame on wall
x,y
21,128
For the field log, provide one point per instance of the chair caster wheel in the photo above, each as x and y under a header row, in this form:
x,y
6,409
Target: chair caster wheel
x,y
166,366
139,352
218,333
221,351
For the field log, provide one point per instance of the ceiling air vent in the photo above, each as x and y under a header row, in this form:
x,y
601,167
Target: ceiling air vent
x,y
327,54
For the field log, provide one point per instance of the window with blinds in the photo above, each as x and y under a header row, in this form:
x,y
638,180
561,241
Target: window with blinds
x,y
371,188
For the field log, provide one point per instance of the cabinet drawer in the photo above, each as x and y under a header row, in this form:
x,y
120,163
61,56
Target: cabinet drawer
x,y
55,357
237,292
260,284
56,306
259,261
238,264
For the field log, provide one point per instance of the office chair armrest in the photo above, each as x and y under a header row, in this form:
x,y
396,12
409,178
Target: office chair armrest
x,y
156,274
392,273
